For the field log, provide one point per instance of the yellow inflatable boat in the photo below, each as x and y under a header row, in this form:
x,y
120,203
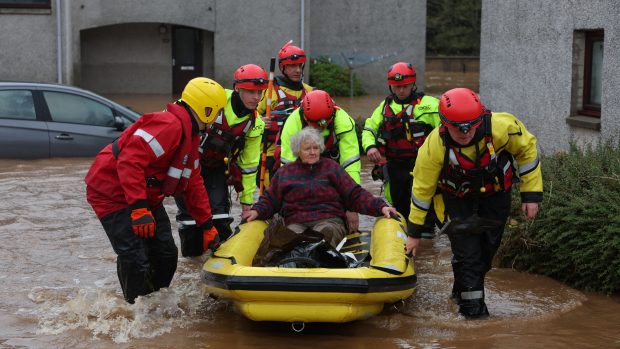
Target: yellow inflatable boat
x,y
303,295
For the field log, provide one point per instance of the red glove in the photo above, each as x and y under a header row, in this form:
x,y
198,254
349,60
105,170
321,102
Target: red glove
x,y
142,222
210,239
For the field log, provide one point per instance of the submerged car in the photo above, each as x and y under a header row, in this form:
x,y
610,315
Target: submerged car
x,y
39,120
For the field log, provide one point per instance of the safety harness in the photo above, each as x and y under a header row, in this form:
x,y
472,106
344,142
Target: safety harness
x,y
403,136
485,174
287,103
222,144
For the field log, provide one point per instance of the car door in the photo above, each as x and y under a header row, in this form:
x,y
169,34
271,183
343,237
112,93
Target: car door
x,y
79,125
23,135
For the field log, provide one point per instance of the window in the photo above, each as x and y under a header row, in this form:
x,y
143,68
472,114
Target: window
x,y
592,76
25,3
17,104
74,109
587,79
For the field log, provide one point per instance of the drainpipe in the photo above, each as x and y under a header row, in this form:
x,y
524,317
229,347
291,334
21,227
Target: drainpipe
x,y
302,24
68,44
59,60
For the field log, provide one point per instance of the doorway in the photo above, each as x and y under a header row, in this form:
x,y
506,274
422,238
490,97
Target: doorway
x,y
187,54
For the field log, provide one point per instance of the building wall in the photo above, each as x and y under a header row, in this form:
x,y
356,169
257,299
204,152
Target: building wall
x,y
113,46
372,35
253,32
526,65
28,45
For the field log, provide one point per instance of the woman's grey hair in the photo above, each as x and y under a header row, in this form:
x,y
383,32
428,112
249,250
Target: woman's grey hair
x,y
307,134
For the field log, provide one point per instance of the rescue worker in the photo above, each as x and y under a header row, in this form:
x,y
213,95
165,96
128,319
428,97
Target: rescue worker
x,y
230,153
318,110
288,91
155,157
398,127
471,157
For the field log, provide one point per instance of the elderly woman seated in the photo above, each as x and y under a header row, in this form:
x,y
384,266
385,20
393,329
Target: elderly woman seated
x,y
315,192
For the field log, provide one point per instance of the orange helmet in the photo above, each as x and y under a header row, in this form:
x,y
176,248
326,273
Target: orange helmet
x,y
318,108
461,108
401,73
290,54
251,77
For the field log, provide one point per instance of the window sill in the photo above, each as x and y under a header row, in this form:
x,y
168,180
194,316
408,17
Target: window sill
x,y
584,122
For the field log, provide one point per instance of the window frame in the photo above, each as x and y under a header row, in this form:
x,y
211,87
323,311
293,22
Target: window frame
x,y
588,108
7,4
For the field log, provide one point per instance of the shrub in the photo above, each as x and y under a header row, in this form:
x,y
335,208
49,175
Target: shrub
x,y
333,78
576,236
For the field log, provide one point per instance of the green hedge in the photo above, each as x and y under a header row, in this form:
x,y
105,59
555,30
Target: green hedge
x,y
333,78
576,236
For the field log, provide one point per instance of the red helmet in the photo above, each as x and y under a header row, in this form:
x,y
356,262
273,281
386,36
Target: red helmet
x,y
401,73
318,108
290,54
461,108
251,77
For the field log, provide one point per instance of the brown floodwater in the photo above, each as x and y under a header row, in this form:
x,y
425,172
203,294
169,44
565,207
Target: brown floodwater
x,y
60,289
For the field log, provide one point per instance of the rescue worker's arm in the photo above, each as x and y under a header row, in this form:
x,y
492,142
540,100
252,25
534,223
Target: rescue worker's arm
x,y
249,160
522,145
370,134
291,127
349,146
425,176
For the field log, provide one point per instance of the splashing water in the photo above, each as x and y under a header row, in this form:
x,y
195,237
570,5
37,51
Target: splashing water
x,y
104,312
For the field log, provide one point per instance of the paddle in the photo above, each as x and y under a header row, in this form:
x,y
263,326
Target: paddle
x,y
263,160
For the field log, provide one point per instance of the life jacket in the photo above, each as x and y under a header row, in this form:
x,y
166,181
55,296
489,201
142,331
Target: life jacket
x,y
184,160
223,141
287,103
484,175
403,136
